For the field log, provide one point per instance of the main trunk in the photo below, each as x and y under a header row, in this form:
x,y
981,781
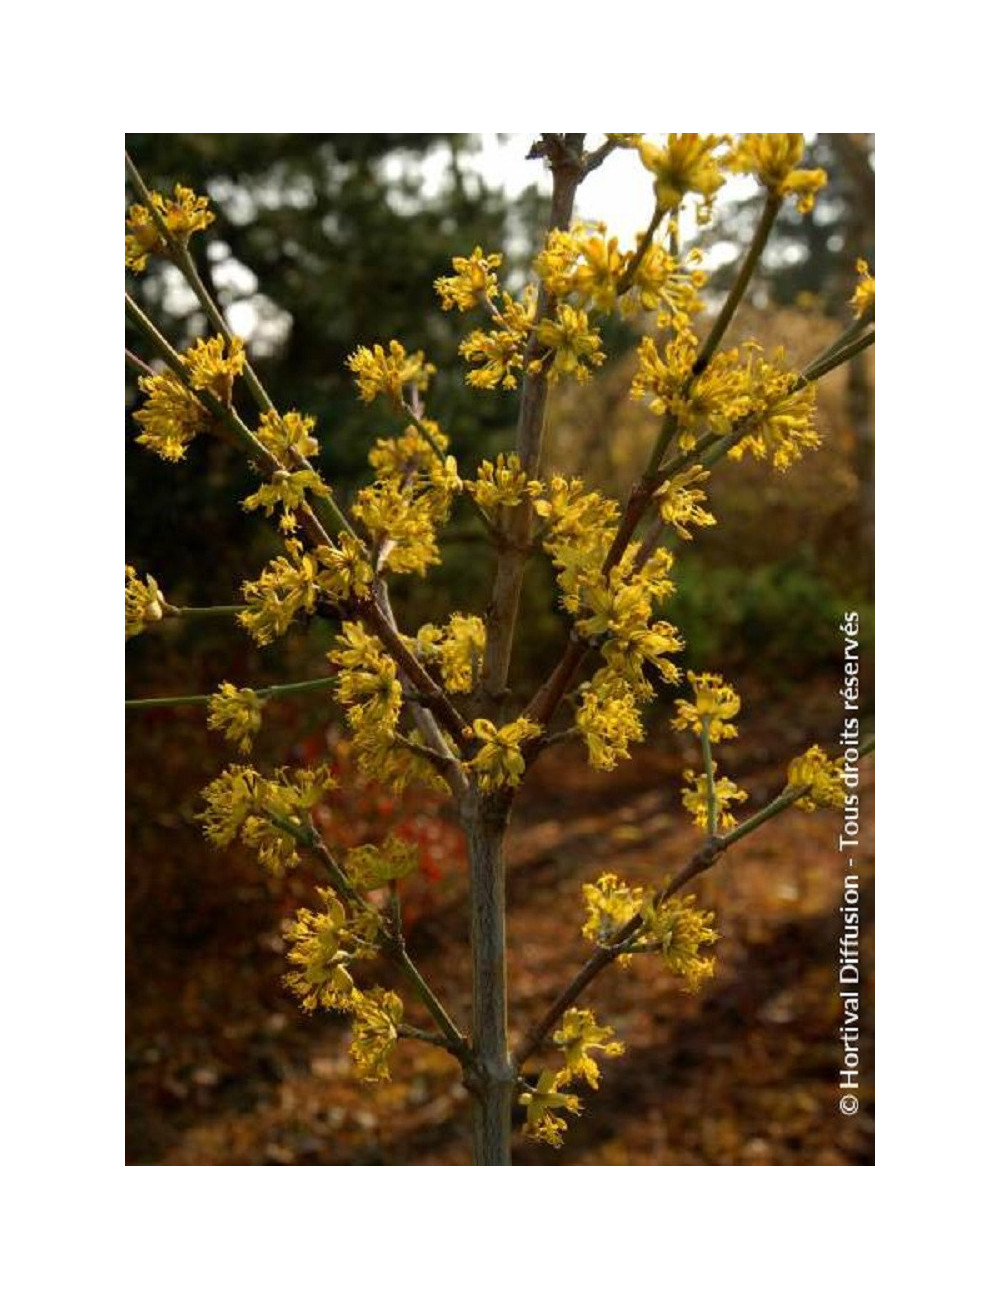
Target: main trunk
x,y
492,1087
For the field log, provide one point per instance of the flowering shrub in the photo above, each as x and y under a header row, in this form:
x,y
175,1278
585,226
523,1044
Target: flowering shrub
x,y
429,708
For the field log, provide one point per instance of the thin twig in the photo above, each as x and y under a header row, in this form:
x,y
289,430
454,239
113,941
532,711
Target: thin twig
x,y
262,692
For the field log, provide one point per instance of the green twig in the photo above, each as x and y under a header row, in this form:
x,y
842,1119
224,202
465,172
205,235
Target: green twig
x,y
706,758
739,287
262,692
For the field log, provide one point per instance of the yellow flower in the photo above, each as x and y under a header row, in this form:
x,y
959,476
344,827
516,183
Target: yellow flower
x,y
608,718
773,159
345,570
499,762
863,301
374,1033
288,436
144,602
458,651
680,931
381,756
498,354
185,213
714,399
685,164
501,484
270,815
400,521
366,683
171,416
571,345
695,800
823,776
541,1101
715,705
610,904
583,263
371,866
578,1035
321,945
782,419
377,371
289,492
237,713
286,588
473,282
211,370
661,283
678,501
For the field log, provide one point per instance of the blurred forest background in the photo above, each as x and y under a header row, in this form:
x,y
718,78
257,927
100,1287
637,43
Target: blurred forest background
x,y
323,242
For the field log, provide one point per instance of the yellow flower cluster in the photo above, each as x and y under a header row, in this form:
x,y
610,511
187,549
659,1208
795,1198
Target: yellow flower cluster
x,y
679,502
144,602
237,713
608,719
577,1037
288,437
372,866
673,928
715,705
863,301
610,904
456,650
344,569
497,355
501,483
377,371
685,164
781,416
579,527
774,159
409,500
321,946
777,411
366,682
709,402
679,930
286,588
185,213
541,1101
499,761
171,417
384,757
212,365
661,283
289,491
823,776
474,281
584,264
400,523
572,347
619,609
374,1032
294,584
695,800
270,815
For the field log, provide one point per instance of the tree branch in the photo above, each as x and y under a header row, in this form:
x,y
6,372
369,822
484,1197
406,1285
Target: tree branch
x,y
706,857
